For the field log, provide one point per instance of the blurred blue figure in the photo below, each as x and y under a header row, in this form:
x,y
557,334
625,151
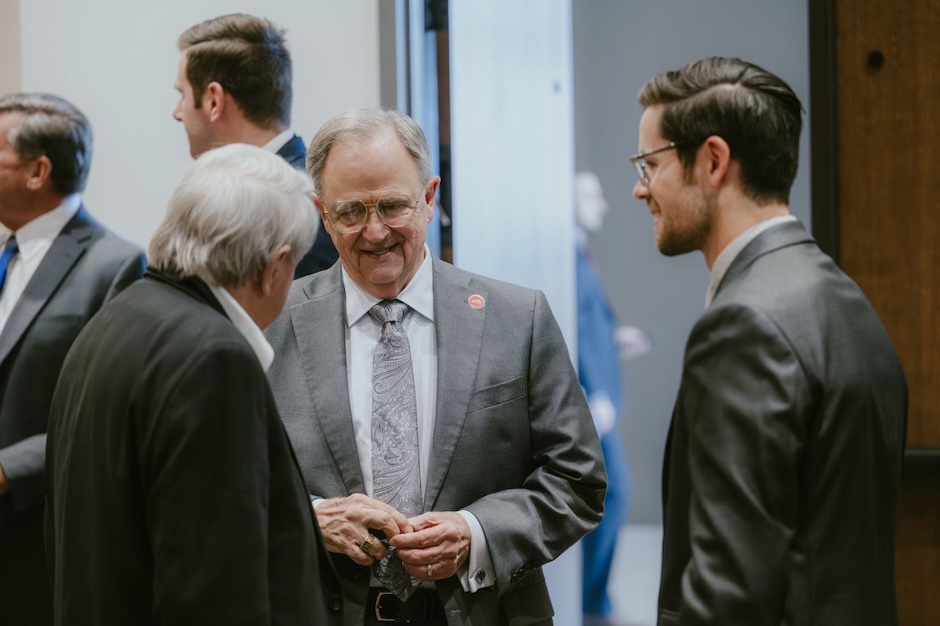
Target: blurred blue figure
x,y
599,355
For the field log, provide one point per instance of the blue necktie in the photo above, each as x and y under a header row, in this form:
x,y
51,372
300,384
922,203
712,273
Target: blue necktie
x,y
9,251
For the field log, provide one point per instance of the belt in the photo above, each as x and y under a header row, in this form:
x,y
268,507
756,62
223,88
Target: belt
x,y
423,606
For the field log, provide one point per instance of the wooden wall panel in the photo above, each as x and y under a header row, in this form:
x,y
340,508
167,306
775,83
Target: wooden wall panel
x,y
888,87
918,552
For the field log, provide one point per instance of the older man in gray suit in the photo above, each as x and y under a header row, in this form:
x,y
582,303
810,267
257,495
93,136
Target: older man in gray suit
x,y
58,266
783,464
449,453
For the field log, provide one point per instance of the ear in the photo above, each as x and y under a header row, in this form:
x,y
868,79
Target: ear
x,y
38,173
279,262
430,194
321,209
716,160
214,101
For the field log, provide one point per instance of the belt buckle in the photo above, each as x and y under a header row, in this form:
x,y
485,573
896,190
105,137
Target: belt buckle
x,y
380,616
378,606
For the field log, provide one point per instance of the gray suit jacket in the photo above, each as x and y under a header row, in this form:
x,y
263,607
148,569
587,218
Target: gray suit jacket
x,y
513,441
783,464
85,267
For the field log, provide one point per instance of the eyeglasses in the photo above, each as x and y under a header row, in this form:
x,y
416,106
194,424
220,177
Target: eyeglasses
x,y
639,160
350,216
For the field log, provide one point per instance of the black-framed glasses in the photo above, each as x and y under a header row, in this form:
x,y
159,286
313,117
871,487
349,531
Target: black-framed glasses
x,y
639,160
349,216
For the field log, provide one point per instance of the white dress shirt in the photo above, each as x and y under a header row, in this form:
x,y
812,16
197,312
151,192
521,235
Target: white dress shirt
x,y
733,249
246,326
362,335
34,240
279,141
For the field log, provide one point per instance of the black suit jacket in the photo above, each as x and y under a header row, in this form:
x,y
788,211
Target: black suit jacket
x,y
783,466
323,254
174,494
84,268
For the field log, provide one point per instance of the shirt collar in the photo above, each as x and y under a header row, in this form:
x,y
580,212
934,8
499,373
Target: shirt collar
x,y
279,141
46,227
417,294
246,326
733,249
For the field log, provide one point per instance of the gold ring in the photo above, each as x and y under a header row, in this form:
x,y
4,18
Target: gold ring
x,y
366,545
429,570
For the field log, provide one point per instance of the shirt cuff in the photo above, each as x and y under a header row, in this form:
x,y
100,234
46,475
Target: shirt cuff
x,y
477,572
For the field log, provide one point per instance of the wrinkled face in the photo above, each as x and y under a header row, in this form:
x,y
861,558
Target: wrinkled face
x,y
591,207
682,216
195,120
14,170
379,258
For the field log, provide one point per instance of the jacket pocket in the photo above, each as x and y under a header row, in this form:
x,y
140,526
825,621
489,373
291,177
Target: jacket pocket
x,y
497,394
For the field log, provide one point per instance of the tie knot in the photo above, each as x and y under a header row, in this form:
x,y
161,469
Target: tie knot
x,y
389,311
10,247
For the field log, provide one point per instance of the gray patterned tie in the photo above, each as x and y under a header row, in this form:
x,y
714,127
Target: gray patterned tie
x,y
396,475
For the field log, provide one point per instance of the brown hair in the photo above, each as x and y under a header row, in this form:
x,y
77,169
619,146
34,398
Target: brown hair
x,y
248,56
754,111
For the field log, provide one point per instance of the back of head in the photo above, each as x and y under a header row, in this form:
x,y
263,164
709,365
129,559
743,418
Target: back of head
x,y
233,209
754,111
248,56
362,124
52,127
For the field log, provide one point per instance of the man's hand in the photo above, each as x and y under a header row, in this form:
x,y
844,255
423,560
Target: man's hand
x,y
345,523
437,547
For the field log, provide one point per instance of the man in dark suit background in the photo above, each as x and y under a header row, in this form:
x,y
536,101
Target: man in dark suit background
x,y
783,462
174,495
57,267
499,454
234,81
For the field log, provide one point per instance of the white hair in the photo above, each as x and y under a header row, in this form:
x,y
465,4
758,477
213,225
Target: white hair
x,y
234,208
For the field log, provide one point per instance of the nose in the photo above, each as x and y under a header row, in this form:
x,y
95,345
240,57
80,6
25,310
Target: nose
x,y
640,191
374,228
176,113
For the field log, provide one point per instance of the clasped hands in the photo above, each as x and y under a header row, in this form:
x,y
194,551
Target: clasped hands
x,y
432,546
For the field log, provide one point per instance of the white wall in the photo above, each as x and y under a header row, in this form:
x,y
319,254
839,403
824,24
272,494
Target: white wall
x,y
117,59
512,137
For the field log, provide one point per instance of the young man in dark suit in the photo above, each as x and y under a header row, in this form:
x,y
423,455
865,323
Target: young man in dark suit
x,y
234,81
58,266
174,494
783,461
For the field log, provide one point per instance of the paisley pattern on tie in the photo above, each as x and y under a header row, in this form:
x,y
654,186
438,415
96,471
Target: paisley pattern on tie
x,y
396,474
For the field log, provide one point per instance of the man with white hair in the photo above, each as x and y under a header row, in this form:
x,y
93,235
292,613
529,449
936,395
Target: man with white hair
x,y
174,494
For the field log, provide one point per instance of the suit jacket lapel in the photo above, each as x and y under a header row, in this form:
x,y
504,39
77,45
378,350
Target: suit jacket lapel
x,y
774,238
66,249
459,333
319,325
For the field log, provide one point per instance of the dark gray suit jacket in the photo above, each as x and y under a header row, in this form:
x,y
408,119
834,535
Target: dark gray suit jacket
x,y
783,464
513,440
85,267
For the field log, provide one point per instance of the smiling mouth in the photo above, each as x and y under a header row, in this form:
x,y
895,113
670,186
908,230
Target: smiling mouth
x,y
380,252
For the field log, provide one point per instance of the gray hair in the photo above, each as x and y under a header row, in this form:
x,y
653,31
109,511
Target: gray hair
x,y
54,128
360,124
230,213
